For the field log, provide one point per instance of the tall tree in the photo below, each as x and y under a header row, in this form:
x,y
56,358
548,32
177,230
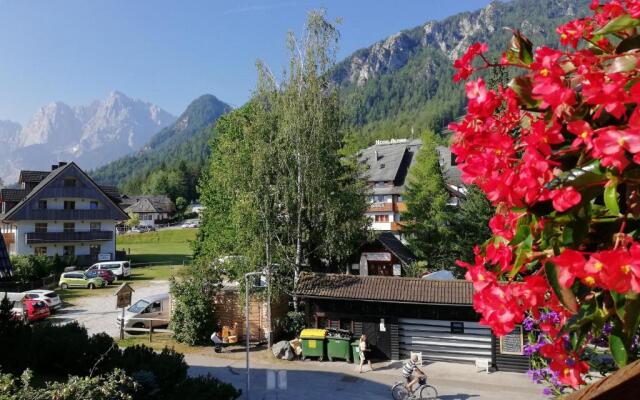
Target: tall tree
x,y
428,219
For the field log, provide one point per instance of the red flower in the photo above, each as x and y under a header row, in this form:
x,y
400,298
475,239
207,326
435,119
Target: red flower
x,y
565,198
570,263
463,64
583,133
571,32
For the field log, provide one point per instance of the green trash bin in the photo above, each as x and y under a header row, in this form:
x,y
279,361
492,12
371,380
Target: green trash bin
x,y
339,345
355,351
313,343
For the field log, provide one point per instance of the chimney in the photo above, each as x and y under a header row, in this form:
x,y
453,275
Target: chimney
x,y
54,167
62,163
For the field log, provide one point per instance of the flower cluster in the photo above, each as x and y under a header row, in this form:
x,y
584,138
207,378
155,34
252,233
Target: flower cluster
x,y
557,152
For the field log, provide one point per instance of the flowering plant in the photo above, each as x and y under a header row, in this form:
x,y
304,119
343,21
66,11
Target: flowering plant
x,y
557,151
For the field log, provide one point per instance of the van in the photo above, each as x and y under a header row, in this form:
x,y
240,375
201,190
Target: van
x,y
121,269
19,309
157,306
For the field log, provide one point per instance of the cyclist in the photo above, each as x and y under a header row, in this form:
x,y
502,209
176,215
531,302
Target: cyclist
x,y
412,373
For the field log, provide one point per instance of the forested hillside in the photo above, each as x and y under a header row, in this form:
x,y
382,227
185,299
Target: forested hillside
x,y
403,83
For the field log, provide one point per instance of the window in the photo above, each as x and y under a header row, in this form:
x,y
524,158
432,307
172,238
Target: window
x,y
454,161
40,251
69,182
69,251
69,227
41,227
95,226
457,327
155,307
382,218
93,205
94,250
42,204
379,199
69,205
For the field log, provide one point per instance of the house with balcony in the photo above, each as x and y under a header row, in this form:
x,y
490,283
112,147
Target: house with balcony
x,y
387,166
61,212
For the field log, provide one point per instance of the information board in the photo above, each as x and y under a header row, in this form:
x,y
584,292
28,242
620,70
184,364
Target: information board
x,y
512,342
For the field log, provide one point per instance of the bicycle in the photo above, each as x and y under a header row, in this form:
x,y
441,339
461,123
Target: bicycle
x,y
422,392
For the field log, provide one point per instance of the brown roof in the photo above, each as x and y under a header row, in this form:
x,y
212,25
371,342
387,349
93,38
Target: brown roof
x,y
112,191
386,289
33,176
13,195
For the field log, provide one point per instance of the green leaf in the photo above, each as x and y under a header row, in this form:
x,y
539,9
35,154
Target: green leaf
x,y
524,88
618,302
631,318
520,50
521,255
624,21
623,64
523,230
618,350
630,43
580,176
611,197
565,295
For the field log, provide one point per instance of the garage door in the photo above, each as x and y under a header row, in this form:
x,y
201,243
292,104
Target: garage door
x,y
453,341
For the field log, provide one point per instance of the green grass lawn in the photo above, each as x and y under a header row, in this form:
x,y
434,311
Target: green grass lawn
x,y
171,245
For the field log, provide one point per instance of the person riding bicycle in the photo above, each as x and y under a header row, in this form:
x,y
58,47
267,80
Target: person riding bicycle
x,y
412,373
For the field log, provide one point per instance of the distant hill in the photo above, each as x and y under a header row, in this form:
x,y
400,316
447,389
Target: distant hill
x,y
185,140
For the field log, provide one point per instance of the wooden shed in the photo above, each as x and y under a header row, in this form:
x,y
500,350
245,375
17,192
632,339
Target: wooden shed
x,y
230,310
403,315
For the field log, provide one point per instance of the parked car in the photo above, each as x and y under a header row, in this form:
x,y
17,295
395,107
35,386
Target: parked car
x,y
48,296
36,309
121,269
148,228
79,279
156,306
136,229
19,309
105,274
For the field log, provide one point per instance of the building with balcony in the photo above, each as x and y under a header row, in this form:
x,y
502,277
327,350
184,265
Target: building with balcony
x,y
61,212
388,163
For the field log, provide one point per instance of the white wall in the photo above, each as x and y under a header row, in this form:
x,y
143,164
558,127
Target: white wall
x,y
24,227
81,204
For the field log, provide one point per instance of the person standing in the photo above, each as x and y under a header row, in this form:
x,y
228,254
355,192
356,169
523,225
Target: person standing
x,y
364,352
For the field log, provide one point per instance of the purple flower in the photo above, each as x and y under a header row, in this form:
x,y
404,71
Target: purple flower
x,y
527,324
547,392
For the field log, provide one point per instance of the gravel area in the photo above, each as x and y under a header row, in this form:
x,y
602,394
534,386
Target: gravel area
x,y
98,312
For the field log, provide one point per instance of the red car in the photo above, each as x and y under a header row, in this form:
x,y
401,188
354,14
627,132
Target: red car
x,y
105,274
36,309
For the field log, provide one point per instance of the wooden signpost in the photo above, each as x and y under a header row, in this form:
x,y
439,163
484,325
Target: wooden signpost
x,y
123,300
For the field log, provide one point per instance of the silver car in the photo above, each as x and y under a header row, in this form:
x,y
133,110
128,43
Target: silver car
x,y
50,297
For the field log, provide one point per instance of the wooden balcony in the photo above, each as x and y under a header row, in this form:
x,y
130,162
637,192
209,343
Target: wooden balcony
x,y
380,207
401,207
68,237
396,226
67,215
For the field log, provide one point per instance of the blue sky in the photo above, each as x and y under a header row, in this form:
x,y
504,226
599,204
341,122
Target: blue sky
x,y
170,52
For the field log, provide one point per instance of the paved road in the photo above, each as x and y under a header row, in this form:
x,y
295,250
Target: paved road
x,y
98,313
312,380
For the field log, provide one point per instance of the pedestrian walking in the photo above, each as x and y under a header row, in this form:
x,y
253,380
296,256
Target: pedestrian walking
x,y
363,346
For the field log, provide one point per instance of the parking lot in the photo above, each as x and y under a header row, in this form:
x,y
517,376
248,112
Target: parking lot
x,y
98,312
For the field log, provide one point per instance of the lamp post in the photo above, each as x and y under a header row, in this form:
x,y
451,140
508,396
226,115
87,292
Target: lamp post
x,y
247,331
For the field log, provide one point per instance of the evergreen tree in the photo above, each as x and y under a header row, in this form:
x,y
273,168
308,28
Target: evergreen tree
x,y
428,219
471,223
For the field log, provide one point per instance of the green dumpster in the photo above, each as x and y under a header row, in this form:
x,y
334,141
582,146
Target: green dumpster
x,y
339,344
313,343
355,350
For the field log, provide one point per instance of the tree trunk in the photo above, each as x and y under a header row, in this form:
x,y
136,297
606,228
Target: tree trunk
x,y
298,261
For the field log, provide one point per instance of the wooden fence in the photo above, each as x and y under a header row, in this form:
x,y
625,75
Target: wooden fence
x,y
48,282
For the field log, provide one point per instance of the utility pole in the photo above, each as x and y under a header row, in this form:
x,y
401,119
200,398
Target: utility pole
x,y
247,289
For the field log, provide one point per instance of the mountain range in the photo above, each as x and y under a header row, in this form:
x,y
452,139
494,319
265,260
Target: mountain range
x,y
394,88
91,135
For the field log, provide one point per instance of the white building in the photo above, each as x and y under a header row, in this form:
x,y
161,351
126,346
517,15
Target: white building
x,y
61,212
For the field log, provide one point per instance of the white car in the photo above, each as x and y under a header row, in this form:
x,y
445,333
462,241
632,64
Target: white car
x,y
121,269
50,297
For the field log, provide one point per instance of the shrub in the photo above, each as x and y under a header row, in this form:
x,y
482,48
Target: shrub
x,y
168,366
193,317
291,324
203,388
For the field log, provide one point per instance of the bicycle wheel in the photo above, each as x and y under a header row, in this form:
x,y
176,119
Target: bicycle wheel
x,y
428,392
398,391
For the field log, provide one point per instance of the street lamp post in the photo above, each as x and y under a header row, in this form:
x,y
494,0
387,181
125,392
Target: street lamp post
x,y
247,331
